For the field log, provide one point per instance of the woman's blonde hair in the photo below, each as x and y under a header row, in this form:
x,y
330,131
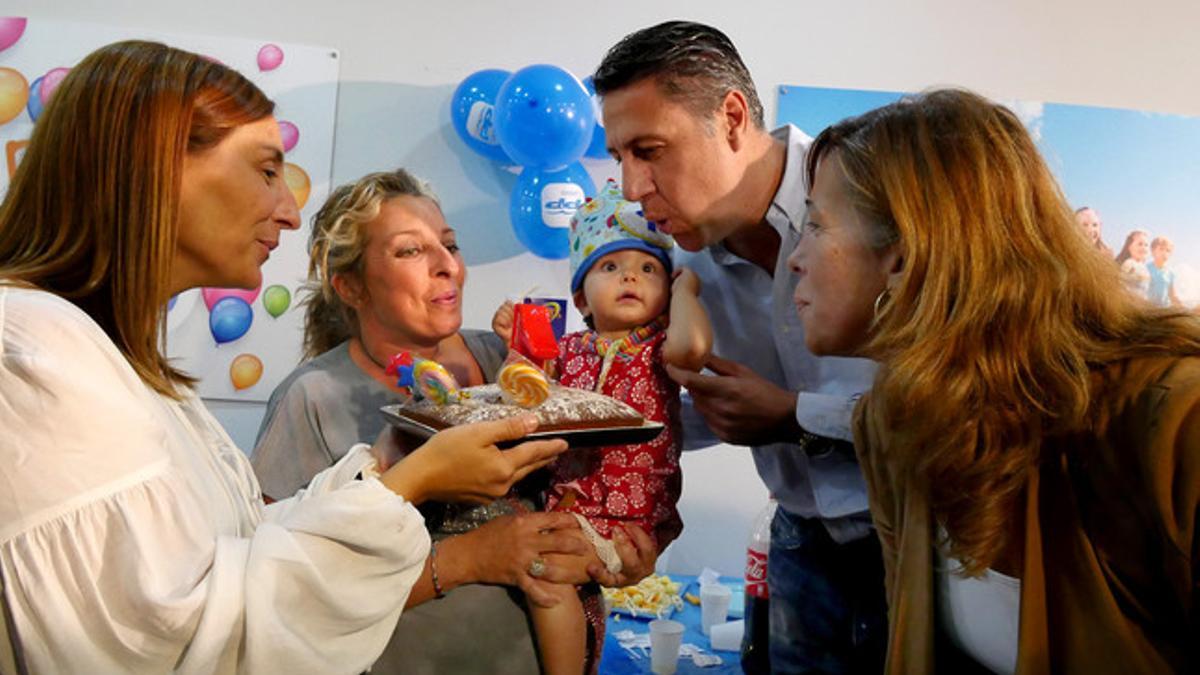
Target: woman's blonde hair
x,y
92,211
1001,313
339,237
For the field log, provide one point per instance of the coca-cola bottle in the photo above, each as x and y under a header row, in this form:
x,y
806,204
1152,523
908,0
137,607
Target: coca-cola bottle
x,y
755,641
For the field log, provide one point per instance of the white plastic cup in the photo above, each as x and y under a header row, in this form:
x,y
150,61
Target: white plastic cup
x,y
666,637
714,605
727,637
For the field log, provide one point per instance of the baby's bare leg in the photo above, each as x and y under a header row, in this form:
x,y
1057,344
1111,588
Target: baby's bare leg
x,y
561,633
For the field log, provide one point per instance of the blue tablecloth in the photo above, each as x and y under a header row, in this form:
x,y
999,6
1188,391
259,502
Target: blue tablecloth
x,y
616,661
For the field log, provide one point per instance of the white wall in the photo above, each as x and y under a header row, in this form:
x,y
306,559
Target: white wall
x,y
400,61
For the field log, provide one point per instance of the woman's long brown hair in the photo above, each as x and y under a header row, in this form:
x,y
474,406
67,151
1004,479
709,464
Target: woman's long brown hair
x,y
1002,311
92,211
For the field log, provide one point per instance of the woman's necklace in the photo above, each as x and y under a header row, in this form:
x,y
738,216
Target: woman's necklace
x,y
362,346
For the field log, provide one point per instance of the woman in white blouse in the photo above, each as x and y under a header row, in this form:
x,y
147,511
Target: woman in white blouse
x,y
133,537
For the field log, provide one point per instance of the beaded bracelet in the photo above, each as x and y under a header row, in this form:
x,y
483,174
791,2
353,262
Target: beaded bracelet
x,y
437,586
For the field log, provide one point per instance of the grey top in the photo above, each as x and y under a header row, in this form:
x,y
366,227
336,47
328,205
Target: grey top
x,y
326,406
313,418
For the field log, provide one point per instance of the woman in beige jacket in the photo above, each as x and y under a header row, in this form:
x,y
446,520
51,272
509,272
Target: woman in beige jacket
x,y
1032,442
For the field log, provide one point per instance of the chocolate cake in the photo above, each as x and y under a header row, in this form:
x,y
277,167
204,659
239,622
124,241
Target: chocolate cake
x,y
566,408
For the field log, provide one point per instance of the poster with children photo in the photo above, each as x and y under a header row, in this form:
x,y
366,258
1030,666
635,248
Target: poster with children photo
x,y
1130,175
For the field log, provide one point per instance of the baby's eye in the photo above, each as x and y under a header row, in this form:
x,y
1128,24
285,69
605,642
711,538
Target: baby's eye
x,y
608,266
648,268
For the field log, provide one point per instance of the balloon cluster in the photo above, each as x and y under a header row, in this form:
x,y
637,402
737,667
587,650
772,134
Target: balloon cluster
x,y
269,58
229,311
17,93
230,315
545,120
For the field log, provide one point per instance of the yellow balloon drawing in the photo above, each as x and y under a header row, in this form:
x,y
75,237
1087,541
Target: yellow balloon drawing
x,y
14,94
245,371
298,182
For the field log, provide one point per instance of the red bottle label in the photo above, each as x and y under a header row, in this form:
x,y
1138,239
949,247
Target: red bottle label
x,y
756,574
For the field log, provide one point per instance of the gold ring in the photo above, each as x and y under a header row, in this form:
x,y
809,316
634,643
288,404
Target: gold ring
x,y
537,567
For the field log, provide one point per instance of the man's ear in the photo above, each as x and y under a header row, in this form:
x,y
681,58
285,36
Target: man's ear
x,y
735,115
350,289
580,301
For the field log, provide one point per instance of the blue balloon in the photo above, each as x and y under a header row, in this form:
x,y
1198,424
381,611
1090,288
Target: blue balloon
x,y
472,112
542,204
229,319
598,148
34,106
544,117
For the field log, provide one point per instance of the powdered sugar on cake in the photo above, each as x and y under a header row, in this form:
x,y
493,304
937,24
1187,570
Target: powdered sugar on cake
x,y
565,408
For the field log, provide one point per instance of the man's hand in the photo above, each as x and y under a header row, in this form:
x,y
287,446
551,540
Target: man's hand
x,y
739,405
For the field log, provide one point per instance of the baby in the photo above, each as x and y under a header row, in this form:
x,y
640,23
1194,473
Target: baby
x,y
639,319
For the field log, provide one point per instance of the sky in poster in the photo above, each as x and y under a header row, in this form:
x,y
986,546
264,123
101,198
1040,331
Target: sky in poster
x,y
1139,170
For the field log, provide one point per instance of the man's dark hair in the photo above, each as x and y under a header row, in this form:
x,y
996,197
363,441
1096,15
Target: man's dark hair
x,y
694,64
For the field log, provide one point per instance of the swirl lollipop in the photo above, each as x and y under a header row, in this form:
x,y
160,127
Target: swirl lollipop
x,y
434,382
522,383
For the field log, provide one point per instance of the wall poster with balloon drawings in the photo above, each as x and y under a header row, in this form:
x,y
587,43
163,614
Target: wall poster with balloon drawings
x,y
240,344
1132,177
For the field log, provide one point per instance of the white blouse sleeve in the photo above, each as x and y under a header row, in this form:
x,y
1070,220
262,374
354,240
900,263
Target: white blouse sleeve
x,y
117,556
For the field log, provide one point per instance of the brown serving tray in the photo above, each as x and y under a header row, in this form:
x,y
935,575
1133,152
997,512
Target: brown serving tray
x,y
575,438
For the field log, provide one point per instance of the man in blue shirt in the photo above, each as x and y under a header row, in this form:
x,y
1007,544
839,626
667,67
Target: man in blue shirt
x,y
684,120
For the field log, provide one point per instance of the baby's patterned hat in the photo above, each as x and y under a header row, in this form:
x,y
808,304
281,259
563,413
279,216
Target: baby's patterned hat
x,y
607,223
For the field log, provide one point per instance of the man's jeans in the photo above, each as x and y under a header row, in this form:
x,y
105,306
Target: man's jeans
x,y
828,611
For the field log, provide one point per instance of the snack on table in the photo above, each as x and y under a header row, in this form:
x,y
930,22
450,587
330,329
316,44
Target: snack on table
x,y
652,596
565,408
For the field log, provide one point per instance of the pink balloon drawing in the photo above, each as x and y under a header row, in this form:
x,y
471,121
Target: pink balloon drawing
x,y
290,134
11,30
214,295
269,57
50,82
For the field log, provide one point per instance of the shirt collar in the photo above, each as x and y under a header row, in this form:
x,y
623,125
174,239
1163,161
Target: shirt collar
x,y
787,206
630,344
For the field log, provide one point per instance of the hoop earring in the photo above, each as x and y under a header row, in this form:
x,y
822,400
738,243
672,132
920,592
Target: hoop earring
x,y
881,301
